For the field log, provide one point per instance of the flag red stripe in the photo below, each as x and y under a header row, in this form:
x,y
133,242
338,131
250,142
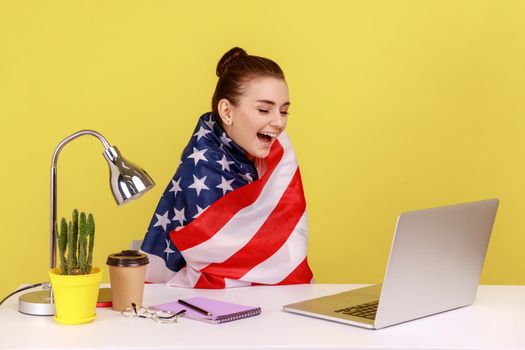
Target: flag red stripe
x,y
221,211
301,274
283,219
210,282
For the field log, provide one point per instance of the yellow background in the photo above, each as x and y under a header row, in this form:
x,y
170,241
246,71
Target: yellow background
x,y
396,105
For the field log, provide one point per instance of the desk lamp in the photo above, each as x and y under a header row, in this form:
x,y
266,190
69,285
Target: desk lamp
x,y
127,182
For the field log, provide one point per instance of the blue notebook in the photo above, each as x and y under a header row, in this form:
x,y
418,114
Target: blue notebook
x,y
221,311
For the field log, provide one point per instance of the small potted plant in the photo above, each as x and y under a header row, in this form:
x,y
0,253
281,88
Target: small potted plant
x,y
75,283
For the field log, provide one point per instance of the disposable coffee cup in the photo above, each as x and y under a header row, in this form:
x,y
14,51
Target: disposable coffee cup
x,y
127,272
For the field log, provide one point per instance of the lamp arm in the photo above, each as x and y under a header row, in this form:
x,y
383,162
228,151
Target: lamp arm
x,y
53,206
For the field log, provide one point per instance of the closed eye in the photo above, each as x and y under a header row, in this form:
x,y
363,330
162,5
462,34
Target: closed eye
x,y
284,113
263,110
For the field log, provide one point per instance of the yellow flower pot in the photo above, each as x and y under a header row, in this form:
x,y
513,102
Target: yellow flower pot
x,y
75,296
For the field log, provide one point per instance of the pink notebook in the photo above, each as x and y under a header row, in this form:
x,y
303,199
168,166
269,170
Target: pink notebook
x,y
222,311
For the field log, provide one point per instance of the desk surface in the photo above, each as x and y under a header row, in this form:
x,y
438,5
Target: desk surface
x,y
495,321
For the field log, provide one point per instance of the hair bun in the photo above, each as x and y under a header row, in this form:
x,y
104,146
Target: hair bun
x,y
228,58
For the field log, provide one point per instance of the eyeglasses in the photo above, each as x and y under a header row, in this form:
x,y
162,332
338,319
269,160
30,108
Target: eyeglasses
x,y
155,315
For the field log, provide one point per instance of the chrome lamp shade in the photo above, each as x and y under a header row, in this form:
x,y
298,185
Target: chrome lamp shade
x,y
127,181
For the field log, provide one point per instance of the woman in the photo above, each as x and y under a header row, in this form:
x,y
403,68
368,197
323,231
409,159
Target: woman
x,y
234,213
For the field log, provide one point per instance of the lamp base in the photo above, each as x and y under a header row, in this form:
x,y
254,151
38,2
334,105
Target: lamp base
x,y
36,303
39,303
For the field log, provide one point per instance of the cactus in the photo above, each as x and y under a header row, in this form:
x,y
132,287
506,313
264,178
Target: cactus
x,y
91,236
82,244
74,235
75,244
71,251
62,244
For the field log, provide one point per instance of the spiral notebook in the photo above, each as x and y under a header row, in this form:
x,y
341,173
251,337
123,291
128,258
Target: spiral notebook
x,y
221,311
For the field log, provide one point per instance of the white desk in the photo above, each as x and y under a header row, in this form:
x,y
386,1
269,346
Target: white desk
x,y
495,321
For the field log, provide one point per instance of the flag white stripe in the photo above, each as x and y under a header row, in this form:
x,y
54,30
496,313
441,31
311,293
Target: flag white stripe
x,y
229,283
277,267
157,272
185,277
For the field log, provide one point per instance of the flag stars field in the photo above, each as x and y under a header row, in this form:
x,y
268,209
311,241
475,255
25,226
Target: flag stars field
x,y
201,133
199,184
199,211
225,140
225,185
210,122
168,249
248,177
198,155
162,220
225,163
179,216
175,186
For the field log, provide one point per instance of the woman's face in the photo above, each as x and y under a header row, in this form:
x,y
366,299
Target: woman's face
x,y
259,116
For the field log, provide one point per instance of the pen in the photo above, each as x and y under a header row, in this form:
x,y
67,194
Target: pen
x,y
196,308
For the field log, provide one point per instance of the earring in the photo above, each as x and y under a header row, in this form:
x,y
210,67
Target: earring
x,y
229,122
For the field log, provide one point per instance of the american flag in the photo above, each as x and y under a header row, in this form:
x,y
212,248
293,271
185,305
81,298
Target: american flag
x,y
218,225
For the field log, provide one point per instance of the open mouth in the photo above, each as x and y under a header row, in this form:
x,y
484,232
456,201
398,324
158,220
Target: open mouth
x,y
266,138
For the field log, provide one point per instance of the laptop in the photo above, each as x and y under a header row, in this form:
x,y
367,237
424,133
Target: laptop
x,y
434,266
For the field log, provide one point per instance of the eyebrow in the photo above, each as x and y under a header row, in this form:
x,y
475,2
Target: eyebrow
x,y
273,103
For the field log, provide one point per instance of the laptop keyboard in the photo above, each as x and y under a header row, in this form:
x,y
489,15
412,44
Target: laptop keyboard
x,y
367,310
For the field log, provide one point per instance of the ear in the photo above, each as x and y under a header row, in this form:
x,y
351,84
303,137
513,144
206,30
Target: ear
x,y
225,110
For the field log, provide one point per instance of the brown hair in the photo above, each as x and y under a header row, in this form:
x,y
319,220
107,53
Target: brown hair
x,y
235,69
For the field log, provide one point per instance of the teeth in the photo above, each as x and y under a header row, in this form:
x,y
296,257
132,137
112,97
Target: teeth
x,y
268,134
